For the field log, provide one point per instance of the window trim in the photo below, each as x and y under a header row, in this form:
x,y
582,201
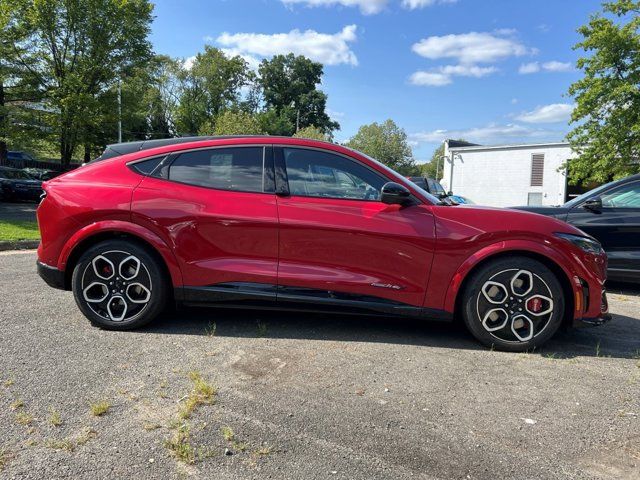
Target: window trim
x,y
133,163
282,177
267,163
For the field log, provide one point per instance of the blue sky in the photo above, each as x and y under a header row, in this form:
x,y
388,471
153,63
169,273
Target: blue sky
x,y
490,71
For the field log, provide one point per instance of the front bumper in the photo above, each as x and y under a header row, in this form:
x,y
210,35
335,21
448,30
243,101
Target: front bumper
x,y
51,275
604,315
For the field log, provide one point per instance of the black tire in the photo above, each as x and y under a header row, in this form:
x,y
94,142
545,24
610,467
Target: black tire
x,y
519,322
142,297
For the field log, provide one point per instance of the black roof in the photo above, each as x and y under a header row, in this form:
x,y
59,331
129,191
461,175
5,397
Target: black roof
x,y
117,149
460,143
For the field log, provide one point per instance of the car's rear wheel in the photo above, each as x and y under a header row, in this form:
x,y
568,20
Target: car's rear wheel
x,y
119,285
513,303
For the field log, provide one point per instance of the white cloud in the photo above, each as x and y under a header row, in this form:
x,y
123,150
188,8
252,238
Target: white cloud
x,y
414,4
444,75
554,113
329,49
334,113
472,47
492,133
251,60
526,68
514,101
552,66
430,79
188,62
367,7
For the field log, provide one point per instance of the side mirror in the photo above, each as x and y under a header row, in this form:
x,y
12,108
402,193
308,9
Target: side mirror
x,y
395,194
593,204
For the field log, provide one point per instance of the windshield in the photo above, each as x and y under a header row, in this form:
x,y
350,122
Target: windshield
x,y
584,196
15,175
393,173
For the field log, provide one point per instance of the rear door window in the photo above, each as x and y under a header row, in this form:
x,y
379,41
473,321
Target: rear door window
x,y
239,169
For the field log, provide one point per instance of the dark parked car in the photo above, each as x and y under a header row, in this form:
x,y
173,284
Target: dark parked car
x,y
18,185
611,214
433,187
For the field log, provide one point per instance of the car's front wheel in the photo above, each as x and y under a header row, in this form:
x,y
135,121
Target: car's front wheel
x,y
119,285
513,303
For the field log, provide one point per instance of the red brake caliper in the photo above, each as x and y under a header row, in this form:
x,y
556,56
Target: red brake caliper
x,y
534,305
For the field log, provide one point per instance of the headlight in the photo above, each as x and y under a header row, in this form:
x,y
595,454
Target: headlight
x,y
587,244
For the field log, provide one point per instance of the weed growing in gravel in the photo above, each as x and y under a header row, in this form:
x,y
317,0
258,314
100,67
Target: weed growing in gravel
x,y
227,433
8,382
54,417
4,458
265,450
210,330
148,426
23,418
17,404
262,328
202,393
64,444
180,446
86,435
230,436
99,408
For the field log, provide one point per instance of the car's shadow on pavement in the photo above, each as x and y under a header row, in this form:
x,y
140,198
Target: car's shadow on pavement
x,y
618,339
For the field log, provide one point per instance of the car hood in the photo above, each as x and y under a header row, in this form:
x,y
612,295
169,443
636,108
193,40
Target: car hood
x,y
490,220
557,212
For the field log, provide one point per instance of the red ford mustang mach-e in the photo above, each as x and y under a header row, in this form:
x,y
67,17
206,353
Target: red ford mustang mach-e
x,y
259,222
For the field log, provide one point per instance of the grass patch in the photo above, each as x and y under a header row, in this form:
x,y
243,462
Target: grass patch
x,y
210,330
262,328
99,408
86,435
17,405
4,459
54,417
23,418
8,382
18,230
201,394
151,426
227,434
64,444
263,451
180,446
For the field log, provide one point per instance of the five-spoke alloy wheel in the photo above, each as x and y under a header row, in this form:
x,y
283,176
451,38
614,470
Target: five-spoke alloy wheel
x,y
118,285
514,303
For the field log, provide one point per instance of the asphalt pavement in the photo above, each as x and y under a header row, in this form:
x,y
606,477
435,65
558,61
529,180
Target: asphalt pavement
x,y
303,396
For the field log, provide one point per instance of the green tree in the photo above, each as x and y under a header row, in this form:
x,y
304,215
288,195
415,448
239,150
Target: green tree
x,y
387,143
289,84
80,48
211,85
313,133
232,122
20,122
607,112
433,168
274,123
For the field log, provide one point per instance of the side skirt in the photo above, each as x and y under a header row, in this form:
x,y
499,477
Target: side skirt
x,y
271,297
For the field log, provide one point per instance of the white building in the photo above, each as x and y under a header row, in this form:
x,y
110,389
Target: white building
x,y
507,175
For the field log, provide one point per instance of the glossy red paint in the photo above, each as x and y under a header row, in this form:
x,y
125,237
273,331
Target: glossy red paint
x,y
418,255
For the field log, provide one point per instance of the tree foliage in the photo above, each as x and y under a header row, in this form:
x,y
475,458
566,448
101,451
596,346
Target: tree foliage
x,y
76,49
607,112
232,122
289,85
312,132
387,143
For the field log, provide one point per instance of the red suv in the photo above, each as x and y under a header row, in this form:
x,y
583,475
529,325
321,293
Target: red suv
x,y
298,224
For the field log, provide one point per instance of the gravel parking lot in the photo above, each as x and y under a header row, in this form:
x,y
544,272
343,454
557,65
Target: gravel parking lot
x,y
306,396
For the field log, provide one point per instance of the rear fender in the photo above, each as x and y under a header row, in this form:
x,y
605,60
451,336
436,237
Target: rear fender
x,y
132,229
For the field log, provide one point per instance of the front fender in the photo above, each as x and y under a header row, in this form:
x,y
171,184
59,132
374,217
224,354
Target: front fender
x,y
559,258
119,226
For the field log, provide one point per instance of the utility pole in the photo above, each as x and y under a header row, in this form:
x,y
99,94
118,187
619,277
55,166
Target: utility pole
x,y
119,112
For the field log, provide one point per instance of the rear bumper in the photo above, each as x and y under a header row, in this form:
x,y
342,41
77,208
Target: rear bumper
x,y
51,275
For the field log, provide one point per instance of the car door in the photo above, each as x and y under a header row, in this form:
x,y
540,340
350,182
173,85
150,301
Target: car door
x,y
616,224
216,207
339,243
